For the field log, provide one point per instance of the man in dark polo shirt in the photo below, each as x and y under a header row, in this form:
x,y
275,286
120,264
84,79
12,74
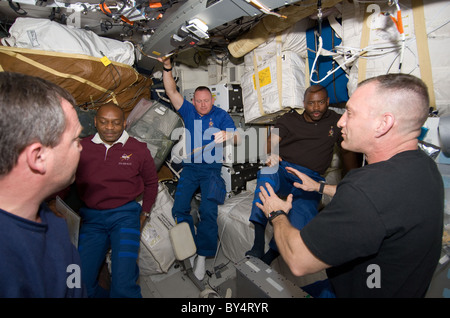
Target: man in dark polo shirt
x,y
114,170
306,142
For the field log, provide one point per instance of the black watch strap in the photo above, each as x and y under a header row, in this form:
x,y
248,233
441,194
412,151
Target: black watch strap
x,y
273,215
167,69
322,186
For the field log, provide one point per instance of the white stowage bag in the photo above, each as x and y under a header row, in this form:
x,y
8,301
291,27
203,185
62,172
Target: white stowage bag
x,y
236,232
40,34
292,39
383,43
156,253
281,85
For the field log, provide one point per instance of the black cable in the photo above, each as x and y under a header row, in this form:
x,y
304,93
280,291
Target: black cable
x,y
319,15
17,8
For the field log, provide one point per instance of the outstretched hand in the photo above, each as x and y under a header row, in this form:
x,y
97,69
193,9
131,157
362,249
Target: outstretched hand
x,y
307,184
165,60
271,202
221,136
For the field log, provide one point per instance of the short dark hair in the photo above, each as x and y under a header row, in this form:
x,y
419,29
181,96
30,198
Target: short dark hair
x,y
31,112
202,88
400,81
113,106
408,93
410,86
314,89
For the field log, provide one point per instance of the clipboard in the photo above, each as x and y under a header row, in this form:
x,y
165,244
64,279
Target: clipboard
x,y
73,220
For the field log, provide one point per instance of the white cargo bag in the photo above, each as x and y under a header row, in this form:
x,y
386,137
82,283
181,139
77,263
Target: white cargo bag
x,y
40,34
425,54
236,232
155,252
292,39
273,86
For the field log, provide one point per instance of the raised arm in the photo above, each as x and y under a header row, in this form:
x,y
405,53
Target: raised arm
x,y
169,84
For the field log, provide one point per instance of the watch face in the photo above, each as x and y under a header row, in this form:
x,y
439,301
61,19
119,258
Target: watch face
x,y
273,214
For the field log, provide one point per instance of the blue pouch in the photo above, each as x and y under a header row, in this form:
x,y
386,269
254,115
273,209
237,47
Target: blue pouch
x,y
217,190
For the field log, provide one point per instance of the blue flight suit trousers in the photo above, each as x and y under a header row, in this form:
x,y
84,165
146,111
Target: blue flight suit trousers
x,y
191,178
304,204
118,229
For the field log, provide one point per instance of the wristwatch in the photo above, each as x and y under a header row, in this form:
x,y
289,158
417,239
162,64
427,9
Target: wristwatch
x,y
322,186
274,214
167,69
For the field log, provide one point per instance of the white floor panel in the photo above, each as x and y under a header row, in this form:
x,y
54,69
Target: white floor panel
x,y
220,278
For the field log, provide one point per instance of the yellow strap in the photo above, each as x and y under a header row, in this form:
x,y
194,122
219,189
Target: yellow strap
x,y
58,54
257,85
422,48
57,73
365,35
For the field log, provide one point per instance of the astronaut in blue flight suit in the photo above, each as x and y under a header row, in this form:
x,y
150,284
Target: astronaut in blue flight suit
x,y
207,127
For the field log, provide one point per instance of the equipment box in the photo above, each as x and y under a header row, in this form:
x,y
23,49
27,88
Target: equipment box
x,y
255,279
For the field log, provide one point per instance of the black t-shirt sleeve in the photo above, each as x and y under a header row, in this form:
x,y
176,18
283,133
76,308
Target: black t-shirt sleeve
x,y
348,228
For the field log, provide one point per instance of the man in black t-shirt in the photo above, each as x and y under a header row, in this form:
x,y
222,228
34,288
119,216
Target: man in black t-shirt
x,y
381,234
306,142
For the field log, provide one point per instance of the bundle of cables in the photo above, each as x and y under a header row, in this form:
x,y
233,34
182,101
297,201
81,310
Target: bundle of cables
x,y
398,23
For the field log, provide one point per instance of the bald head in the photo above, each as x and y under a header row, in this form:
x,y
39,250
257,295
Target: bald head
x,y
110,123
405,96
110,108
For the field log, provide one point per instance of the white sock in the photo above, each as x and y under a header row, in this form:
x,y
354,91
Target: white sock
x,y
200,269
192,260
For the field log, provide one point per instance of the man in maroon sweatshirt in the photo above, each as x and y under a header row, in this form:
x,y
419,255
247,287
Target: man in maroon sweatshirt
x,y
114,170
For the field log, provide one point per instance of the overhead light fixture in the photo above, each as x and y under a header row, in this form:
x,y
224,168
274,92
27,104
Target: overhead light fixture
x,y
198,27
